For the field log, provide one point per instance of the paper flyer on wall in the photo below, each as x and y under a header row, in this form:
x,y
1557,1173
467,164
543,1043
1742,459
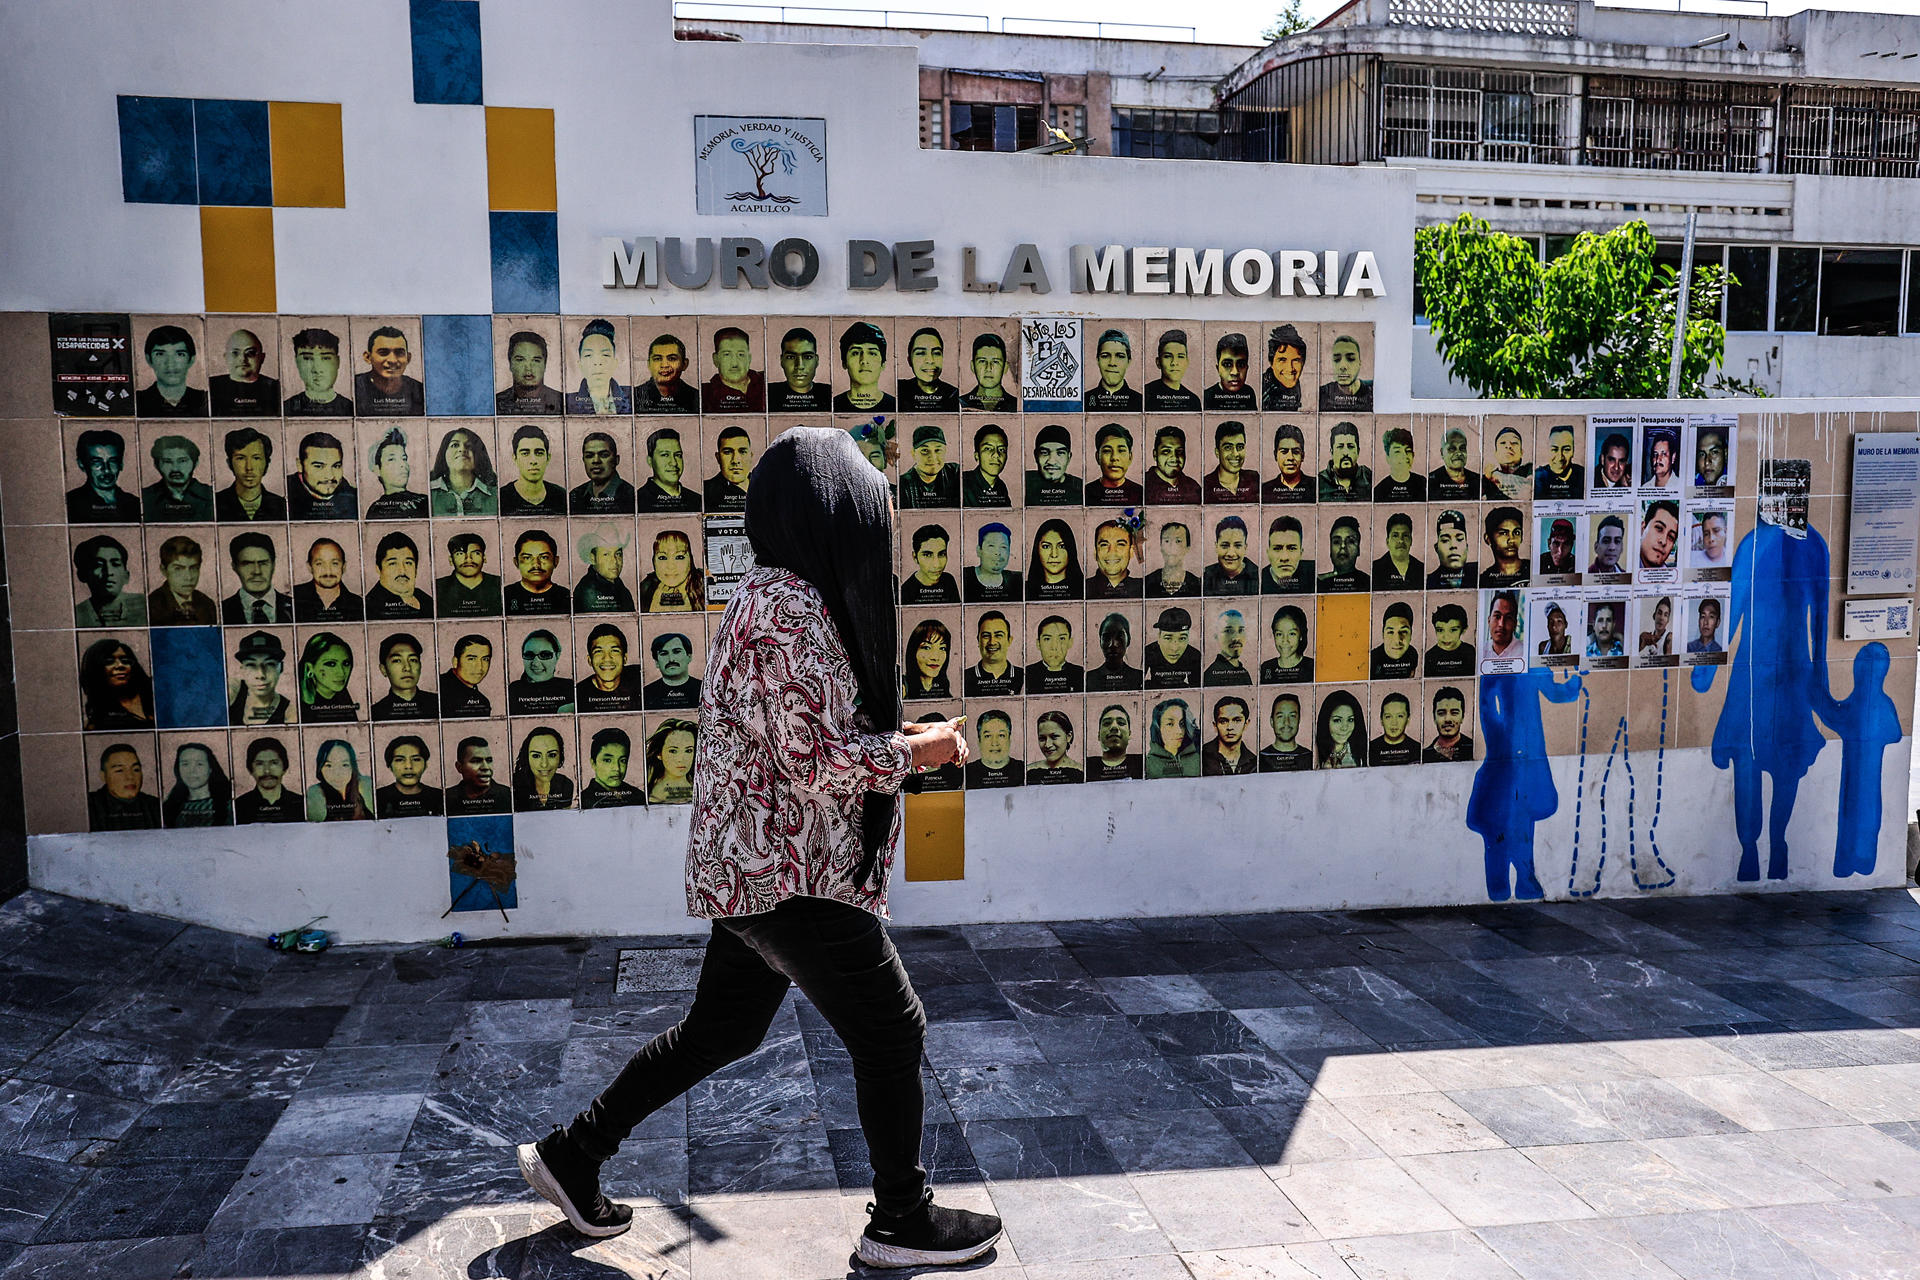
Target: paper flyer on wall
x,y
1785,484
729,556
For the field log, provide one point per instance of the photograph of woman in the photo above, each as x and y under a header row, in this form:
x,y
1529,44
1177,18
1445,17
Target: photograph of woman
x,y
1173,748
202,793
675,584
597,359
115,690
463,481
326,680
1340,737
929,648
537,780
1053,572
343,793
1055,762
670,753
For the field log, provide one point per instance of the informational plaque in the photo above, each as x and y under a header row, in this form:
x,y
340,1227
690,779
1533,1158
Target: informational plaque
x,y
1883,525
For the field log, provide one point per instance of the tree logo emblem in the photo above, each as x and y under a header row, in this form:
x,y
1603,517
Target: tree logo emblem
x,y
763,158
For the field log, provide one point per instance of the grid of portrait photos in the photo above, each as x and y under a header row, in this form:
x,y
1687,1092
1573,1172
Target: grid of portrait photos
x,y
1126,551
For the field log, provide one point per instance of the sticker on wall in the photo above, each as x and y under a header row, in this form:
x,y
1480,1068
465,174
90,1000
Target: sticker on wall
x,y
729,556
760,164
482,874
92,364
1785,486
1050,363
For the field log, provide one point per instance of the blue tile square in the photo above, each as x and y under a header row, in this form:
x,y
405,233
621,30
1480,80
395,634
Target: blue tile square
x,y
459,354
526,262
495,834
446,51
156,151
234,146
189,677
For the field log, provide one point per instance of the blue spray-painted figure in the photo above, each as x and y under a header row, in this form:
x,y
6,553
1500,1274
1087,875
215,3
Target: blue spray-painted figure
x,y
1868,723
1513,788
1778,635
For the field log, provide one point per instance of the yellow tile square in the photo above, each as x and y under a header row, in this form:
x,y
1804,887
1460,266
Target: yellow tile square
x,y
520,174
936,831
1341,639
309,159
236,257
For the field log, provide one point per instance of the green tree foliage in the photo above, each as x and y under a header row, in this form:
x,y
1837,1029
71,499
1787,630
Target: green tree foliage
x,y
1286,22
1595,323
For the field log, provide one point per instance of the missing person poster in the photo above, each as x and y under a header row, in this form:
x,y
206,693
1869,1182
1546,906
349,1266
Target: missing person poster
x,y
1051,363
729,556
1785,485
1883,523
92,365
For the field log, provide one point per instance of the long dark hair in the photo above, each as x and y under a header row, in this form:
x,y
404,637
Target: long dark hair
x,y
482,460
1036,575
1323,732
103,709
939,686
817,508
523,788
219,789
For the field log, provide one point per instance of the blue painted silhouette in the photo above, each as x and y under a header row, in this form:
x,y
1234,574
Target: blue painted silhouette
x,y
1868,723
1776,677
1513,788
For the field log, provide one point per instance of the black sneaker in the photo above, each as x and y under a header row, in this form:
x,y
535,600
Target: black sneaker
x,y
930,1236
571,1183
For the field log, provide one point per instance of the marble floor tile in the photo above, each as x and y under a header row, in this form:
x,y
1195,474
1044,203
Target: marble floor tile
x,y
944,1152
1343,1198
146,1256
1038,1147
991,1093
796,1161
780,1100
182,1024
47,1123
258,1073
1853,1240
396,1024
1015,964
1406,1124
1865,1162
1097,1039
1058,998
659,1245
1625,1179
1870,1095
1758,1101
989,937
1159,993
1729,1245
30,1190
199,1130
1137,958
1313,1026
1359,1074
488,1243
366,1070
46,997
1255,1077
1594,1249
981,1044
1125,1088
1304,1132
1158,1266
491,1020
1255,989
807,1237
306,1191
647,1168
1491,1188
356,1124
117,1066
301,1027
1221,1209
21,1038
967,1002
312,1253
1263,1262
1457,1255
1051,1220
1156,1141
131,1202
1744,1169
427,1185
1672,1056
642,1021
1768,1046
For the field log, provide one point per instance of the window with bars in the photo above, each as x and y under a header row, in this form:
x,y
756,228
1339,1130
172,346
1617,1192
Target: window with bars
x,y
1153,133
933,125
1464,113
995,126
1639,122
1858,132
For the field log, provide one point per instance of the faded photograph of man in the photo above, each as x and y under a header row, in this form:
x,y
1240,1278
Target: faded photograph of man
x,y
1171,581
1113,454
1449,717
476,792
1394,657
530,494
1168,483
170,352
1230,392
384,388
1230,481
1509,472
1561,478
1049,484
1506,538
1348,392
536,555
1605,637
406,796
1286,573
324,596
1168,392
1394,745
1453,567
1290,482
666,389
1115,673
1615,467
249,458
1659,533
982,486
1345,478
1558,557
1609,540
1230,644
396,596
1343,556
403,663
1054,672
1231,573
603,549
600,391
1503,627
990,581
121,802
255,602
269,801
931,481
1114,733
102,566
243,391
994,675
1286,361
604,491
1710,539
527,391
178,600
1113,577
316,360
177,496
924,390
1401,483
989,365
1454,480
461,697
726,488
1227,753
996,765
468,591
929,583
736,386
1709,456
1450,654
1173,662
1706,633
389,463
863,358
1660,446
801,389
101,455
675,689
319,489
1284,754
1113,358
1397,569
610,752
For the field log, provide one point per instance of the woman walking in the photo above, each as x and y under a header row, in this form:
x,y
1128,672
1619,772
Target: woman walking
x,y
795,816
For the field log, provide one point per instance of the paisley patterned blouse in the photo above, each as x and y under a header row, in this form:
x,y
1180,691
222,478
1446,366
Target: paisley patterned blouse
x,y
783,759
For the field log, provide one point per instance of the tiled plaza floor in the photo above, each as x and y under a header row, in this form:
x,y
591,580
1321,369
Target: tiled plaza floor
x,y
1705,1088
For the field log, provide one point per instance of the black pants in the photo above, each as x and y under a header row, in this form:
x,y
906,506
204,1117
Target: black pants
x,y
842,959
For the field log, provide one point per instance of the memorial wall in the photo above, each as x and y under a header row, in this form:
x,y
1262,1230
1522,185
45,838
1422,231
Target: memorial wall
x,y
338,590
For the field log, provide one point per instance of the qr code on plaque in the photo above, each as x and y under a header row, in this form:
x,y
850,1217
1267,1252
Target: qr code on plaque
x,y
1897,619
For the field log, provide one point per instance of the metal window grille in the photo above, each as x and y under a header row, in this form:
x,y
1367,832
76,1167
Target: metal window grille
x,y
933,125
1464,113
1317,111
1640,122
1859,132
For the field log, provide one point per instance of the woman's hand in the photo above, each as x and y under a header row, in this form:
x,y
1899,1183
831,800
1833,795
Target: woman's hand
x,y
936,744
